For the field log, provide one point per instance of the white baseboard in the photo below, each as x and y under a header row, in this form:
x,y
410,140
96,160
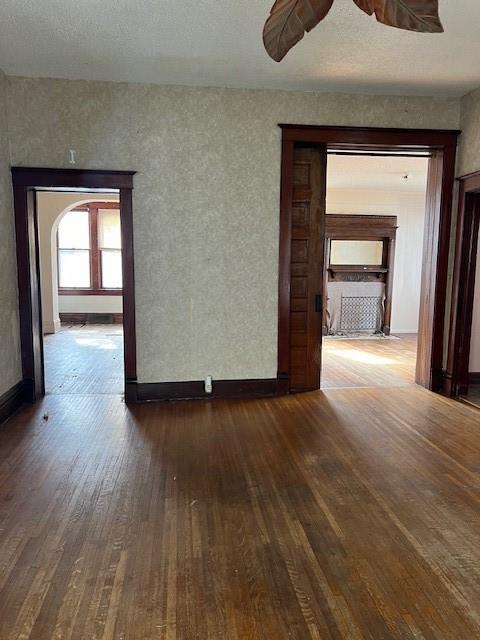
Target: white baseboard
x,y
51,327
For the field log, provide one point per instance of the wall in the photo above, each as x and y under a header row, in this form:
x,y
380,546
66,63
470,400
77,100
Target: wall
x,y
50,208
410,211
90,304
206,201
469,151
11,371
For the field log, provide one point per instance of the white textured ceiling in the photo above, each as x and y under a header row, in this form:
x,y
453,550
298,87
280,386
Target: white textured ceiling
x,y
218,43
378,173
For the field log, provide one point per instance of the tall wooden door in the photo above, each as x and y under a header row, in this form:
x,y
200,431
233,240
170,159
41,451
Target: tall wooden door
x,y
306,284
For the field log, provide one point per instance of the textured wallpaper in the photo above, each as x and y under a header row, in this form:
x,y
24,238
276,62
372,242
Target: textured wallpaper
x,y
469,155
206,201
9,328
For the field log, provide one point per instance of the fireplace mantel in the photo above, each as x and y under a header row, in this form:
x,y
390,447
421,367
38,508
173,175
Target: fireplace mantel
x,y
361,228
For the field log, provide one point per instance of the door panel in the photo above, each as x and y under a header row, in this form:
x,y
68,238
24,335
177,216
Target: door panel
x,y
308,224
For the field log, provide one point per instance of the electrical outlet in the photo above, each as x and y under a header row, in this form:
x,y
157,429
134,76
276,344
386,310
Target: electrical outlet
x,y
208,384
71,154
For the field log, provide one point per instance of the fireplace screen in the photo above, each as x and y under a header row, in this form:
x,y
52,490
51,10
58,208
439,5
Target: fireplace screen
x,y
361,313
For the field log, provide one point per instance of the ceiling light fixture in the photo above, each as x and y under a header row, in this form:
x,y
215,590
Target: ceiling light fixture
x,y
290,19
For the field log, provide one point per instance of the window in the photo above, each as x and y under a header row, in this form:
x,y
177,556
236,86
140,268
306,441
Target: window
x,y
74,250
89,250
110,247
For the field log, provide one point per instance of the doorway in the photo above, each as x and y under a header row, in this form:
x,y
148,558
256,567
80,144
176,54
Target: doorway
x,y
76,265
81,291
302,233
462,376
374,232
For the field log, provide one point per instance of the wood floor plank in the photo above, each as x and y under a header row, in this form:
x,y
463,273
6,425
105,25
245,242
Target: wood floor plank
x,y
348,514
368,362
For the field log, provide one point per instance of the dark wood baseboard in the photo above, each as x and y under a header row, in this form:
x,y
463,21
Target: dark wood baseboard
x,y
447,388
195,390
438,380
91,318
11,400
474,377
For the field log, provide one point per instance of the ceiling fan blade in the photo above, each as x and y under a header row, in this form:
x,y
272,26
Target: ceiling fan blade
x,y
366,5
288,22
412,15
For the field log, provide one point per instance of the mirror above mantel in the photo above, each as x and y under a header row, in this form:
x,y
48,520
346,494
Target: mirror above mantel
x,y
358,249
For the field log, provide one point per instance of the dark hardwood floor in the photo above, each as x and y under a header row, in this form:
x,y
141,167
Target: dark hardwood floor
x,y
373,362
339,515
84,359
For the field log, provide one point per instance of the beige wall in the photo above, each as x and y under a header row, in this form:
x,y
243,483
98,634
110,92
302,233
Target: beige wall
x,y
410,211
9,327
469,152
90,304
50,207
206,201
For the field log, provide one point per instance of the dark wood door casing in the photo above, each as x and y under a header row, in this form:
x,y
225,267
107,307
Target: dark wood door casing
x,y
25,182
442,145
456,378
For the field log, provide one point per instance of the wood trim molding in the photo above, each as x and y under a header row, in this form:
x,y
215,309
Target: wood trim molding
x,y
128,268
456,375
371,138
474,377
470,182
72,178
195,390
442,144
11,401
286,194
25,181
91,318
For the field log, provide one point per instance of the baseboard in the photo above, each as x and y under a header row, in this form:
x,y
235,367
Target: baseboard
x,y
438,378
51,327
447,389
11,400
91,318
195,390
474,377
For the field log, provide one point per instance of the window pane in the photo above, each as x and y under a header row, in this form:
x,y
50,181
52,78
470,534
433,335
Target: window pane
x,y
74,231
74,268
109,229
111,269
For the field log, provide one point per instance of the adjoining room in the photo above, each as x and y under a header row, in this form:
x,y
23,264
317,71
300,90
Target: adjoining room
x,y
374,234
81,291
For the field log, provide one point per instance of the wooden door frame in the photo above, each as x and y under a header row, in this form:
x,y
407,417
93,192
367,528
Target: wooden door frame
x,y
463,288
26,181
442,145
